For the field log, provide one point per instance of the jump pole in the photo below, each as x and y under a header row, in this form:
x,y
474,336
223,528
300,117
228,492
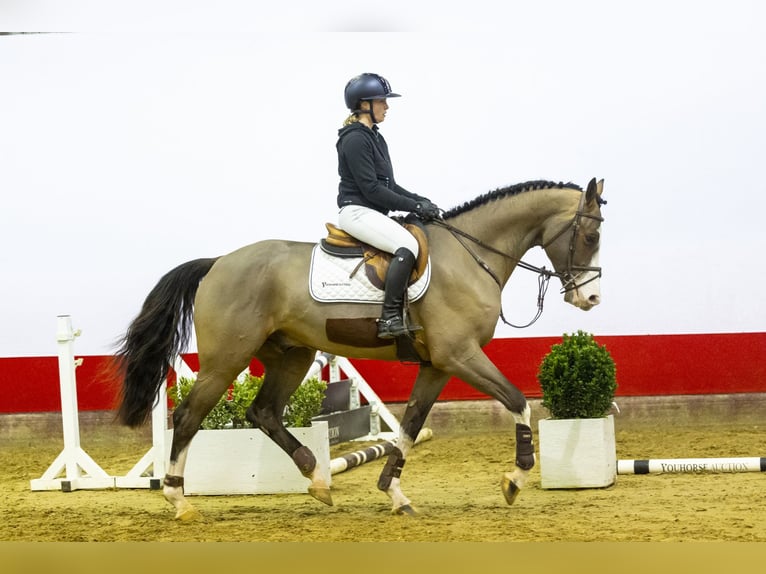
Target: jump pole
x,y
80,470
692,465
360,457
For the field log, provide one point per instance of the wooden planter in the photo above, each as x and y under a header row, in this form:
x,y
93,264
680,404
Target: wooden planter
x,y
577,453
246,461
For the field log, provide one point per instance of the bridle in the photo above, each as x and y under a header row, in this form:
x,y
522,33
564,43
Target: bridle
x,y
568,277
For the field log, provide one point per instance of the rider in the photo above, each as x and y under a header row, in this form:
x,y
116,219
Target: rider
x,y
367,193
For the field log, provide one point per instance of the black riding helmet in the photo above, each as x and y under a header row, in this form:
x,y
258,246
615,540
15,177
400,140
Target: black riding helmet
x,y
366,87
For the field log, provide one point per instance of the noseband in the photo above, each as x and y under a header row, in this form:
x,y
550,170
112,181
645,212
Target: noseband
x,y
568,277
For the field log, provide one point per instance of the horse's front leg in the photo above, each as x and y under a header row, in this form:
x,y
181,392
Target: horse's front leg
x,y
428,385
512,482
475,368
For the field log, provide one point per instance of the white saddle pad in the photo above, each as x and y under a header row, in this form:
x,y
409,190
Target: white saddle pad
x,y
330,280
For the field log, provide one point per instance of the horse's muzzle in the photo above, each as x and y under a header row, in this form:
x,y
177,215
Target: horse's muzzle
x,y
584,296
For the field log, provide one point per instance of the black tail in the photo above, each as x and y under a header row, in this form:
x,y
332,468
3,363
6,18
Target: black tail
x,y
155,337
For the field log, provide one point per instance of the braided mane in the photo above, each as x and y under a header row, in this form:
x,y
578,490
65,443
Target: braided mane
x,y
506,192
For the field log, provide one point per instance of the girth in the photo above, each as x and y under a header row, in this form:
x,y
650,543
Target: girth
x,y
340,244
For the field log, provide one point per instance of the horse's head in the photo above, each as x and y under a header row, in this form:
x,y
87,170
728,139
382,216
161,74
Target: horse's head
x,y
573,249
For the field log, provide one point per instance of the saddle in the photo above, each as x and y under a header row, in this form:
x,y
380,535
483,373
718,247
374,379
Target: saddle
x,y
340,244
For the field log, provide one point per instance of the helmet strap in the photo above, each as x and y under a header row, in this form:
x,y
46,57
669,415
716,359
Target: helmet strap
x,y
372,114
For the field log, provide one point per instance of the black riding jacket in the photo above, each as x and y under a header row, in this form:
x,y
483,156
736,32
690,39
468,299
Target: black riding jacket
x,y
366,173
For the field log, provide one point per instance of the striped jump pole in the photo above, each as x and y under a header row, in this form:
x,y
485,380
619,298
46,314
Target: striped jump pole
x,y
692,465
360,457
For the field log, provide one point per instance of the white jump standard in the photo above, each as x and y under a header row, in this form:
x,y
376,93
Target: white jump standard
x,y
79,470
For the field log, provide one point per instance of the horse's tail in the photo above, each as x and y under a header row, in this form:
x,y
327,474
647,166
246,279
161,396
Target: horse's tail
x,y
155,338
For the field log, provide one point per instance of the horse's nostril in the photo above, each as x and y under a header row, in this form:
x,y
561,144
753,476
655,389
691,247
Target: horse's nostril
x,y
594,299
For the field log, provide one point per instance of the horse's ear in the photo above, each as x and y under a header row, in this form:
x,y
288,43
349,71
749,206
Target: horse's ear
x,y
594,191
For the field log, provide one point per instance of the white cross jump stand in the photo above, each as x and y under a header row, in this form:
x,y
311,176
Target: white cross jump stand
x,y
79,470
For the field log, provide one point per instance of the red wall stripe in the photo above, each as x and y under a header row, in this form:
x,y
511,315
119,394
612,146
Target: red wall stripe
x,y
647,365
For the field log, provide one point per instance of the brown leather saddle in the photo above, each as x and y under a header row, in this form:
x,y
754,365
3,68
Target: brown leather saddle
x,y
375,262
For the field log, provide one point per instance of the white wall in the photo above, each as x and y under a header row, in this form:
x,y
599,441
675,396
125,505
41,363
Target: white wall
x,y
159,133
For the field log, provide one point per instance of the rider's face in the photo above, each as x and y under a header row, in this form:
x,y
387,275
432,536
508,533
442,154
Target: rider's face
x,y
379,108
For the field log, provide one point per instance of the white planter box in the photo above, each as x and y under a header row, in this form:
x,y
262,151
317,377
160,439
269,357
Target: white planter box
x,y
246,461
577,453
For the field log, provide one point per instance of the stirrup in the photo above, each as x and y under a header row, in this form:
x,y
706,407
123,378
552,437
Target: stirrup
x,y
395,327
391,328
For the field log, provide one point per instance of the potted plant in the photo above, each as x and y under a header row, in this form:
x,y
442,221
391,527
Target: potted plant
x,y
577,443
228,456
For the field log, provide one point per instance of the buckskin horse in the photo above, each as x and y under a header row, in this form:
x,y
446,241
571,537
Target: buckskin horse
x,y
254,302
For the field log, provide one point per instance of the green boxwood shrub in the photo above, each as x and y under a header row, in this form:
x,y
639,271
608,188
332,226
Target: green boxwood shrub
x,y
577,378
229,412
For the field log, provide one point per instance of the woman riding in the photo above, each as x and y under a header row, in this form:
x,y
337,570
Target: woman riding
x,y
367,193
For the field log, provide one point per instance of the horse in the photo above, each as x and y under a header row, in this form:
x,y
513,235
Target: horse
x,y
254,302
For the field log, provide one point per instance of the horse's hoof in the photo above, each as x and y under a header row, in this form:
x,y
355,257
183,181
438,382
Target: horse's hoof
x,y
322,494
510,489
405,510
188,515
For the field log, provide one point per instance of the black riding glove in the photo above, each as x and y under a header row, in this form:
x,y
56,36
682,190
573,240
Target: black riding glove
x,y
427,211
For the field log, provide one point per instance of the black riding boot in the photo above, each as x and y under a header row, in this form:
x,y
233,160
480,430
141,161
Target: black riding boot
x,y
391,322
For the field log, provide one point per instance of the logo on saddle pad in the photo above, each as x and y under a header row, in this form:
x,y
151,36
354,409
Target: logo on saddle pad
x,y
346,270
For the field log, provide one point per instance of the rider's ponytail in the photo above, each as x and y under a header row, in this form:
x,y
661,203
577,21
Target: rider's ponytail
x,y
351,119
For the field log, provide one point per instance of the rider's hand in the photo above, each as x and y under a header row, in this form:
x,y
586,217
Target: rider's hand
x,y
427,210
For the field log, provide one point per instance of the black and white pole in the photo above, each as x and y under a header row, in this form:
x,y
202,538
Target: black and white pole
x,y
360,457
691,465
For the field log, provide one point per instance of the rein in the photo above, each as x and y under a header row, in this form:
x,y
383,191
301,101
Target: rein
x,y
568,278
544,275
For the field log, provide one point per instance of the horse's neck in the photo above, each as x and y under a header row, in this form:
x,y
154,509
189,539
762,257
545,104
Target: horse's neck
x,y
517,223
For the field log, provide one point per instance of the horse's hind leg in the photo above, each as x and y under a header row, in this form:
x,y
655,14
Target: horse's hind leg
x,y
284,372
187,418
428,385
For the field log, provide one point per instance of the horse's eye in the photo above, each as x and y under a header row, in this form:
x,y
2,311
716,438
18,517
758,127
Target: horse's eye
x,y
592,238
